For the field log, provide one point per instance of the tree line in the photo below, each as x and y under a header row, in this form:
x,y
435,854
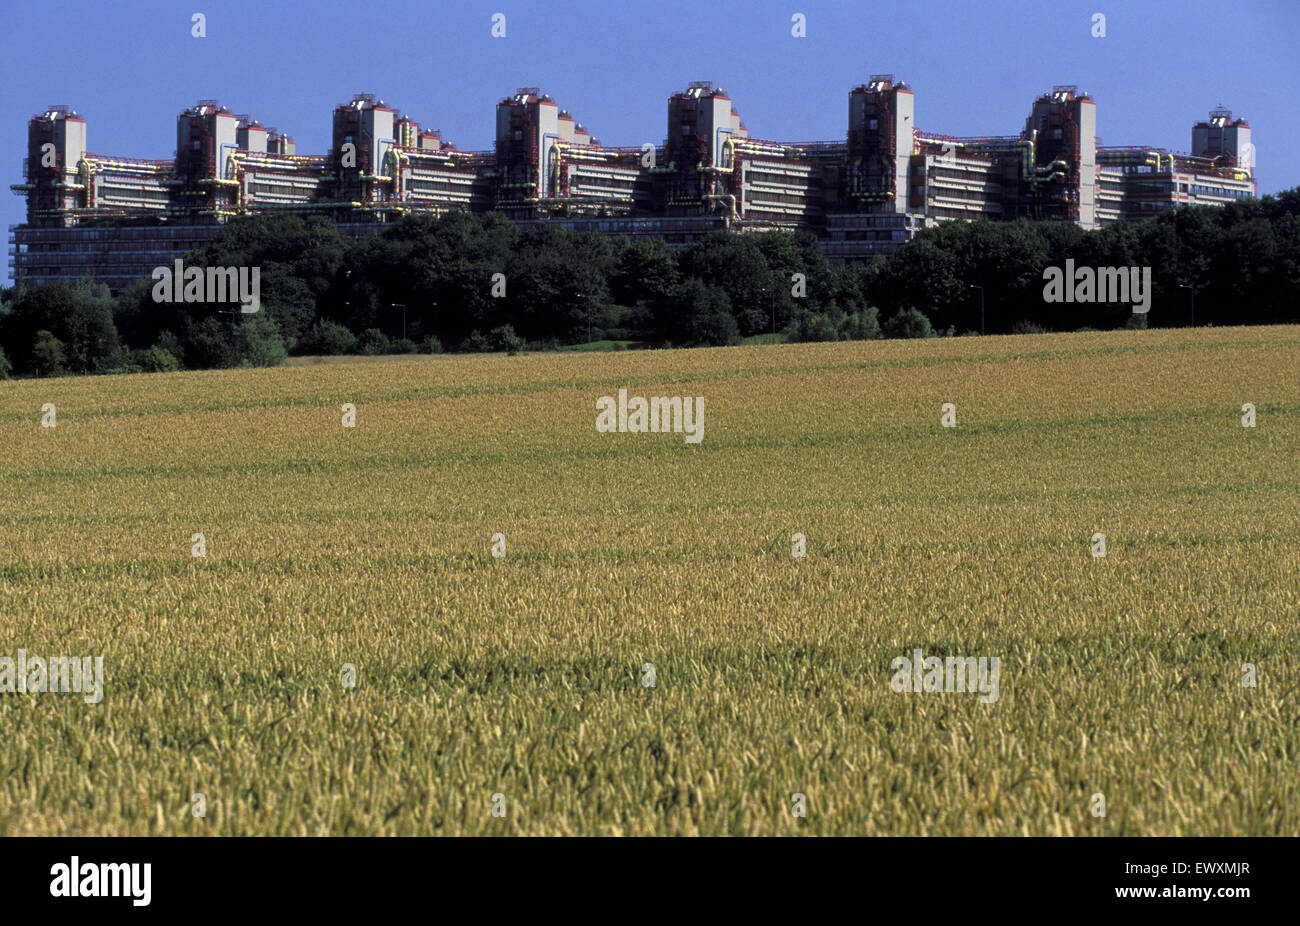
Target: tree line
x,y
481,283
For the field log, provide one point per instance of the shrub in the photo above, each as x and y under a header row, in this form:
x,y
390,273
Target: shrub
x,y
48,358
157,359
863,325
431,345
403,346
475,343
1024,326
373,342
814,326
5,368
908,323
716,327
209,346
328,339
708,315
258,342
172,344
504,338
127,364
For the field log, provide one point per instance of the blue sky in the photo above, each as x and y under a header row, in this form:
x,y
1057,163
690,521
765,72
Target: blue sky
x,y
131,65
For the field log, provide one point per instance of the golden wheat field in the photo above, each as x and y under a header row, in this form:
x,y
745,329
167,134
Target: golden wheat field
x,y
510,695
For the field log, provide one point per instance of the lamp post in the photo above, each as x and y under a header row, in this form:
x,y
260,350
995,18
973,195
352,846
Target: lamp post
x,y
587,306
1192,289
764,291
403,307
234,318
981,289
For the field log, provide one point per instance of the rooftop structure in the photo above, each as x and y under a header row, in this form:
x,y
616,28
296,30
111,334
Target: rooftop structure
x,y
117,217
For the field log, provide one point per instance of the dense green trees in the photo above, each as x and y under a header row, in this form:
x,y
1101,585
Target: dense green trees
x,y
59,328
484,283
1242,262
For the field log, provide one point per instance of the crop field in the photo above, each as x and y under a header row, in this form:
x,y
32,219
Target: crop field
x,y
649,656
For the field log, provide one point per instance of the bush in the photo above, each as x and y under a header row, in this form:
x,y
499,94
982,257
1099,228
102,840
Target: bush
x,y
373,342
831,323
1027,327
716,327
172,344
431,345
208,346
258,342
5,368
328,338
1137,321
863,325
157,359
708,316
504,338
908,323
475,343
48,358
814,326
403,346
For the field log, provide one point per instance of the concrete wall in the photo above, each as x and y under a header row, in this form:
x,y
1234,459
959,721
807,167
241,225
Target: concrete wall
x,y
377,128
251,138
546,122
904,127
1086,113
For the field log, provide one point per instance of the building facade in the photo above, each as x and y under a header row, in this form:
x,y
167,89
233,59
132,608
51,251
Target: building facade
x,y
116,218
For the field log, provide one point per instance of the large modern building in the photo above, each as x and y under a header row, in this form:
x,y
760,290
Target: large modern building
x,y
116,218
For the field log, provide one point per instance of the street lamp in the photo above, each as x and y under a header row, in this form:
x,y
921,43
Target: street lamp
x,y
403,307
1193,291
395,305
981,289
234,317
583,297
